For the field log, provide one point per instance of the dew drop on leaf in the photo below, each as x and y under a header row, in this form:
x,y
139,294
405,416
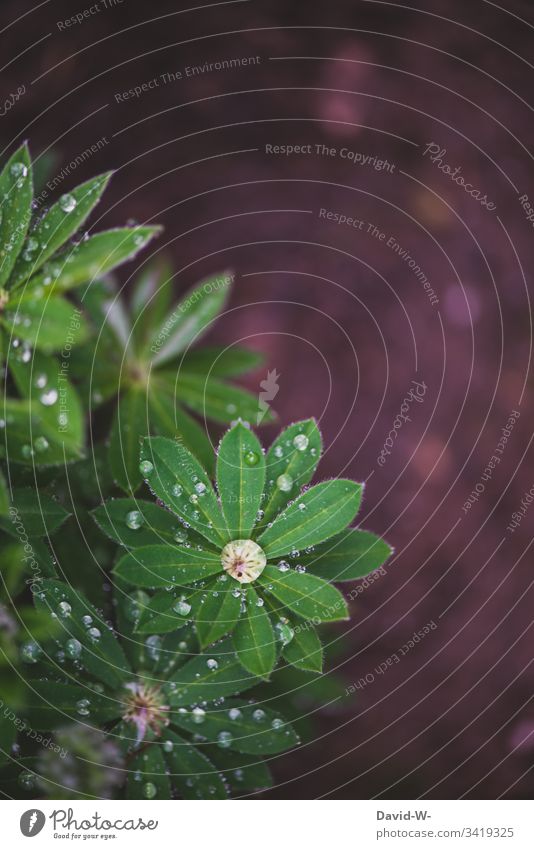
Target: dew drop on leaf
x,y
284,483
146,468
301,442
83,707
134,520
67,203
73,648
149,790
224,739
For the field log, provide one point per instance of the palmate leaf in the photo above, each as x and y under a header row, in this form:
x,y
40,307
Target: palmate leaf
x,y
254,639
177,478
37,512
304,594
147,778
240,479
350,555
57,226
101,654
287,457
164,565
316,515
46,322
16,193
190,318
248,728
92,258
201,680
191,771
305,650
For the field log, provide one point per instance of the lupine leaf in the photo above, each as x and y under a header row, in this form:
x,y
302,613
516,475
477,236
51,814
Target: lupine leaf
x,y
129,426
23,429
51,704
190,318
38,513
240,479
157,526
170,419
310,597
347,556
305,650
298,466
151,299
166,565
16,192
196,681
220,362
254,639
218,613
94,257
101,655
328,508
218,400
175,466
57,226
47,386
244,773
191,771
147,777
250,727
44,322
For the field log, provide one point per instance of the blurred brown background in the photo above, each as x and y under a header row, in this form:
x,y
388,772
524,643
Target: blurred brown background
x,y
342,316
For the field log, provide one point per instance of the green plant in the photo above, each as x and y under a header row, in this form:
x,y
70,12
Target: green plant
x,y
136,637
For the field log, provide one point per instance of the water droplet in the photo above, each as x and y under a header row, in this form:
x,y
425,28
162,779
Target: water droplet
x,y
200,488
18,169
26,780
177,490
251,458
301,442
87,620
134,520
73,648
284,633
234,713
49,398
260,602
94,634
258,715
26,451
180,537
224,739
211,663
279,451
67,203
300,569
198,715
284,483
302,506
83,707
153,646
41,381
30,652
284,566
182,608
149,790
277,724
64,609
193,498
41,444
146,468
168,746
